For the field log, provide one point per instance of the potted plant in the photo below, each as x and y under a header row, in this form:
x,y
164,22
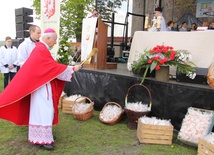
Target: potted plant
x,y
160,55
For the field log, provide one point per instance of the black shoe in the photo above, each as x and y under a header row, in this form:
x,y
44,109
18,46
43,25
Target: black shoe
x,y
48,147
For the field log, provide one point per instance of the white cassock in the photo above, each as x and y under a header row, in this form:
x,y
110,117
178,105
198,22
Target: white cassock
x,y
8,56
24,50
42,111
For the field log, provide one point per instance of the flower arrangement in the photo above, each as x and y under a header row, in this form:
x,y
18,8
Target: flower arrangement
x,y
165,55
64,53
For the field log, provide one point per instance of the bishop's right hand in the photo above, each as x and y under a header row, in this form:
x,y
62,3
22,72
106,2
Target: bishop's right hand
x,y
77,67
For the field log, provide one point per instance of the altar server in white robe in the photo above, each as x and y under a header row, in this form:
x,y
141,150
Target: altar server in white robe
x,y
26,47
8,60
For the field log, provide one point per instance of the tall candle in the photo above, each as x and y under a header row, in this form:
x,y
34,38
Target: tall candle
x,y
159,18
146,22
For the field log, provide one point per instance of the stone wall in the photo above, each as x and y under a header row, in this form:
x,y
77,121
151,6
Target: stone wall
x,y
137,22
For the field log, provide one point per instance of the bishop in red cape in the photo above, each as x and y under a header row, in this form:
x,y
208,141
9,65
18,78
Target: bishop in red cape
x,y
31,98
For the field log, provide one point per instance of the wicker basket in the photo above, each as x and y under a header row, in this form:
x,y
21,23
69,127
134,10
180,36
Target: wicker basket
x,y
210,81
134,115
116,119
87,114
210,76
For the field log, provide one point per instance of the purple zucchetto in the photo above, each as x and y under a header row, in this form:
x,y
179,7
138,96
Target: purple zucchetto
x,y
158,9
49,30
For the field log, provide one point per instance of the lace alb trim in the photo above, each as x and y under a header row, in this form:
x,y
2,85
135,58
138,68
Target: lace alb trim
x,y
67,74
40,134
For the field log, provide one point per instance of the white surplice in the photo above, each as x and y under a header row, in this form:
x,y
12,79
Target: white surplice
x,y
42,111
24,50
8,56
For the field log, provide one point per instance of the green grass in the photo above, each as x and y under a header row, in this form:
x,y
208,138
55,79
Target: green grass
x,y
90,137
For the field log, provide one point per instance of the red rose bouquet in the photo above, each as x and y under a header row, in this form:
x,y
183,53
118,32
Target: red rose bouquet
x,y
165,55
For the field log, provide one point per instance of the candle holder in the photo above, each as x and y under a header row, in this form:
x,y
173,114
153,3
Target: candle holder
x,y
159,19
146,24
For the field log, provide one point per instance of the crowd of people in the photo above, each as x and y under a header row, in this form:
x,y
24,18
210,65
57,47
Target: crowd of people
x,y
159,24
173,26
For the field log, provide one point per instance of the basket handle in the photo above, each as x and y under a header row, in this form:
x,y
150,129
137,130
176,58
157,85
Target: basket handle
x,y
113,103
91,103
82,97
150,96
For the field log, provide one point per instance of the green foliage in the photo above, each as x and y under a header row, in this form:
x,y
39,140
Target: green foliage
x,y
73,11
106,7
64,52
36,6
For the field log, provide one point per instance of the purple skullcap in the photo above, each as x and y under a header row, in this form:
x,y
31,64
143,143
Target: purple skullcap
x,y
158,9
49,30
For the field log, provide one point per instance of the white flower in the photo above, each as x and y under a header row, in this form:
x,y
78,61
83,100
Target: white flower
x,y
66,48
129,66
189,57
70,57
70,60
72,63
191,75
184,56
58,56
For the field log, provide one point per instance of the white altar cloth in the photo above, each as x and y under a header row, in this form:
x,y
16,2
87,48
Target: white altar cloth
x,y
200,44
